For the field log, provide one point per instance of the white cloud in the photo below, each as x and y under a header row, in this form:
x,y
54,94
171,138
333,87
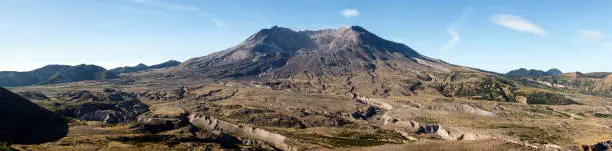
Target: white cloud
x,y
350,13
518,23
591,34
168,5
453,30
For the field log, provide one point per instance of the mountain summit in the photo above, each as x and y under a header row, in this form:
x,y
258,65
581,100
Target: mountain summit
x,y
284,53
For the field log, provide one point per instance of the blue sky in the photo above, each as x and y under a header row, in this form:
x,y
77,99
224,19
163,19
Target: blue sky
x,y
491,35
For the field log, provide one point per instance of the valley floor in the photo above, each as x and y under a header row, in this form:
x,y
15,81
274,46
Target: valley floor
x,y
290,116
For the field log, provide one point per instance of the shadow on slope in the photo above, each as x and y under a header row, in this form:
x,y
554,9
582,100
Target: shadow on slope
x,y
23,122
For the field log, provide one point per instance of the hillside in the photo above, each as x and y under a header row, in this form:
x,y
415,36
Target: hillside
x,y
596,83
24,122
52,74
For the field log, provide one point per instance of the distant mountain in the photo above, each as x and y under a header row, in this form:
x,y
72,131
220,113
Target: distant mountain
x,y
554,72
24,122
142,67
171,63
52,74
522,72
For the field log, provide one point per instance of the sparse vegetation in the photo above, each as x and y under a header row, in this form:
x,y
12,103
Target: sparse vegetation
x,y
547,98
534,134
6,147
602,115
426,120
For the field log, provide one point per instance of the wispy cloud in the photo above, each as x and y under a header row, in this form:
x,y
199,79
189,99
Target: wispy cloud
x,y
218,22
518,23
214,20
168,5
453,29
143,11
350,13
591,35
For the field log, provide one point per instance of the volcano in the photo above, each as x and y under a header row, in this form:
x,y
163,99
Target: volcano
x,y
282,53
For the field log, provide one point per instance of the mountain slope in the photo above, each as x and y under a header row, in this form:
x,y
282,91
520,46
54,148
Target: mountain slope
x,y
24,122
596,83
142,67
52,74
346,61
283,53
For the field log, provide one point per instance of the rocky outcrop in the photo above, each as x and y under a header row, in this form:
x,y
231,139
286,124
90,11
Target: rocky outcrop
x,y
197,93
109,106
433,130
601,146
406,127
365,114
521,99
23,122
163,95
219,126
108,112
155,124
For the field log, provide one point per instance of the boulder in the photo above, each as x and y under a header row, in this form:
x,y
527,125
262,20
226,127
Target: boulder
x,y
364,115
521,99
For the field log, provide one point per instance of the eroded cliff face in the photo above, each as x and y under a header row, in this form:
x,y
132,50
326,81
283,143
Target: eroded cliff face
x,y
110,106
219,126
